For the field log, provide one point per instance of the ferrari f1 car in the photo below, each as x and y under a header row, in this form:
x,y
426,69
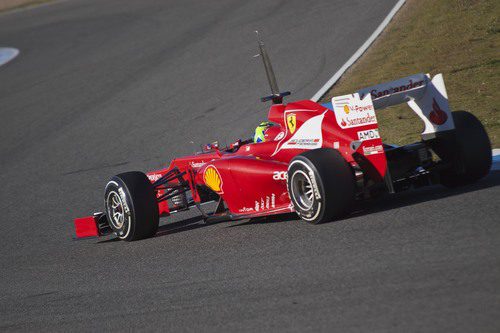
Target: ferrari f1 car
x,y
317,161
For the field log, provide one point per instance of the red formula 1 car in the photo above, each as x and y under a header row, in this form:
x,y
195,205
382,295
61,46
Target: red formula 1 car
x,y
316,161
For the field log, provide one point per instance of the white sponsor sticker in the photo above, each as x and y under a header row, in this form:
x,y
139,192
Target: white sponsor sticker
x,y
352,111
368,135
154,177
396,87
372,150
279,175
197,165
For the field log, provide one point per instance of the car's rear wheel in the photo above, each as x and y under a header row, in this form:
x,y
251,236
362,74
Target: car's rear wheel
x,y
321,185
469,151
131,206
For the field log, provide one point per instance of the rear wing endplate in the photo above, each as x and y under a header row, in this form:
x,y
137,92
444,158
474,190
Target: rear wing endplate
x,y
426,96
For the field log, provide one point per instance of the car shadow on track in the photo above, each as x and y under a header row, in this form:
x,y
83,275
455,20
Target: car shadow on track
x,y
267,219
191,223
424,194
383,203
170,228
388,201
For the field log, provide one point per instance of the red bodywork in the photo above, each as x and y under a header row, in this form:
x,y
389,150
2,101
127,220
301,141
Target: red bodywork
x,y
251,179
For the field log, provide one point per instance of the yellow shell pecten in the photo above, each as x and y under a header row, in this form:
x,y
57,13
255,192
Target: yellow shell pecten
x,y
212,179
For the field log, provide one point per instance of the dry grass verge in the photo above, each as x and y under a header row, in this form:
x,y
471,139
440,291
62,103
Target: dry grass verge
x,y
459,38
6,5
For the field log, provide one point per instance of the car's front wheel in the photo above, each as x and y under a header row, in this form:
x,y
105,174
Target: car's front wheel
x,y
321,185
131,206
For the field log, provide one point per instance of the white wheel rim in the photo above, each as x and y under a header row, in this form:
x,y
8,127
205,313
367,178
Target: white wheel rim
x,y
302,190
115,210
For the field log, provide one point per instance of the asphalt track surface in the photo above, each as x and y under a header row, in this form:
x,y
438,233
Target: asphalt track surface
x,y
102,87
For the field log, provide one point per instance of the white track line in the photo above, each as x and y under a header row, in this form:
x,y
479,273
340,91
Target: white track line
x,y
359,52
7,54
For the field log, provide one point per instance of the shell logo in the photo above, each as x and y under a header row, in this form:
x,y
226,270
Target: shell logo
x,y
212,179
346,109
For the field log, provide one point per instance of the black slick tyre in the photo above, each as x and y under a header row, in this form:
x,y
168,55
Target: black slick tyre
x,y
321,185
469,152
131,206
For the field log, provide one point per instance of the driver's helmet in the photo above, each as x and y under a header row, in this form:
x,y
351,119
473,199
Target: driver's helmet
x,y
266,131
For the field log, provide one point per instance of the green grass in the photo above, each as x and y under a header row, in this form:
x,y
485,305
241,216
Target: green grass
x,y
459,38
8,6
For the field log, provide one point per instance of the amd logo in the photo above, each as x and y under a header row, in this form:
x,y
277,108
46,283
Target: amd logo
x,y
368,135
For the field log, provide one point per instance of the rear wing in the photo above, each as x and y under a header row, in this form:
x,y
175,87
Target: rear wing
x,y
426,96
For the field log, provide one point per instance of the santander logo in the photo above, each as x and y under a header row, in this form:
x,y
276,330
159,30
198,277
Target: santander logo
x,y
352,111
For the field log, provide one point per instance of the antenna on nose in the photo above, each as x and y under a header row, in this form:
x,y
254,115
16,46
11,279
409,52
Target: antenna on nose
x,y
276,96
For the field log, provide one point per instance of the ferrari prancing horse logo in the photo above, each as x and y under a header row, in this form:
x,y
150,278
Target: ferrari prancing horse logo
x,y
291,122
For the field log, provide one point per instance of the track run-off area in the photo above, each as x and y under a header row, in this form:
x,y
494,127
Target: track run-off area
x,y
103,87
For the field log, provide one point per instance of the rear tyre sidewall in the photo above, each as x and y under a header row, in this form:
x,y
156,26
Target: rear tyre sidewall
x,y
469,151
332,182
313,212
